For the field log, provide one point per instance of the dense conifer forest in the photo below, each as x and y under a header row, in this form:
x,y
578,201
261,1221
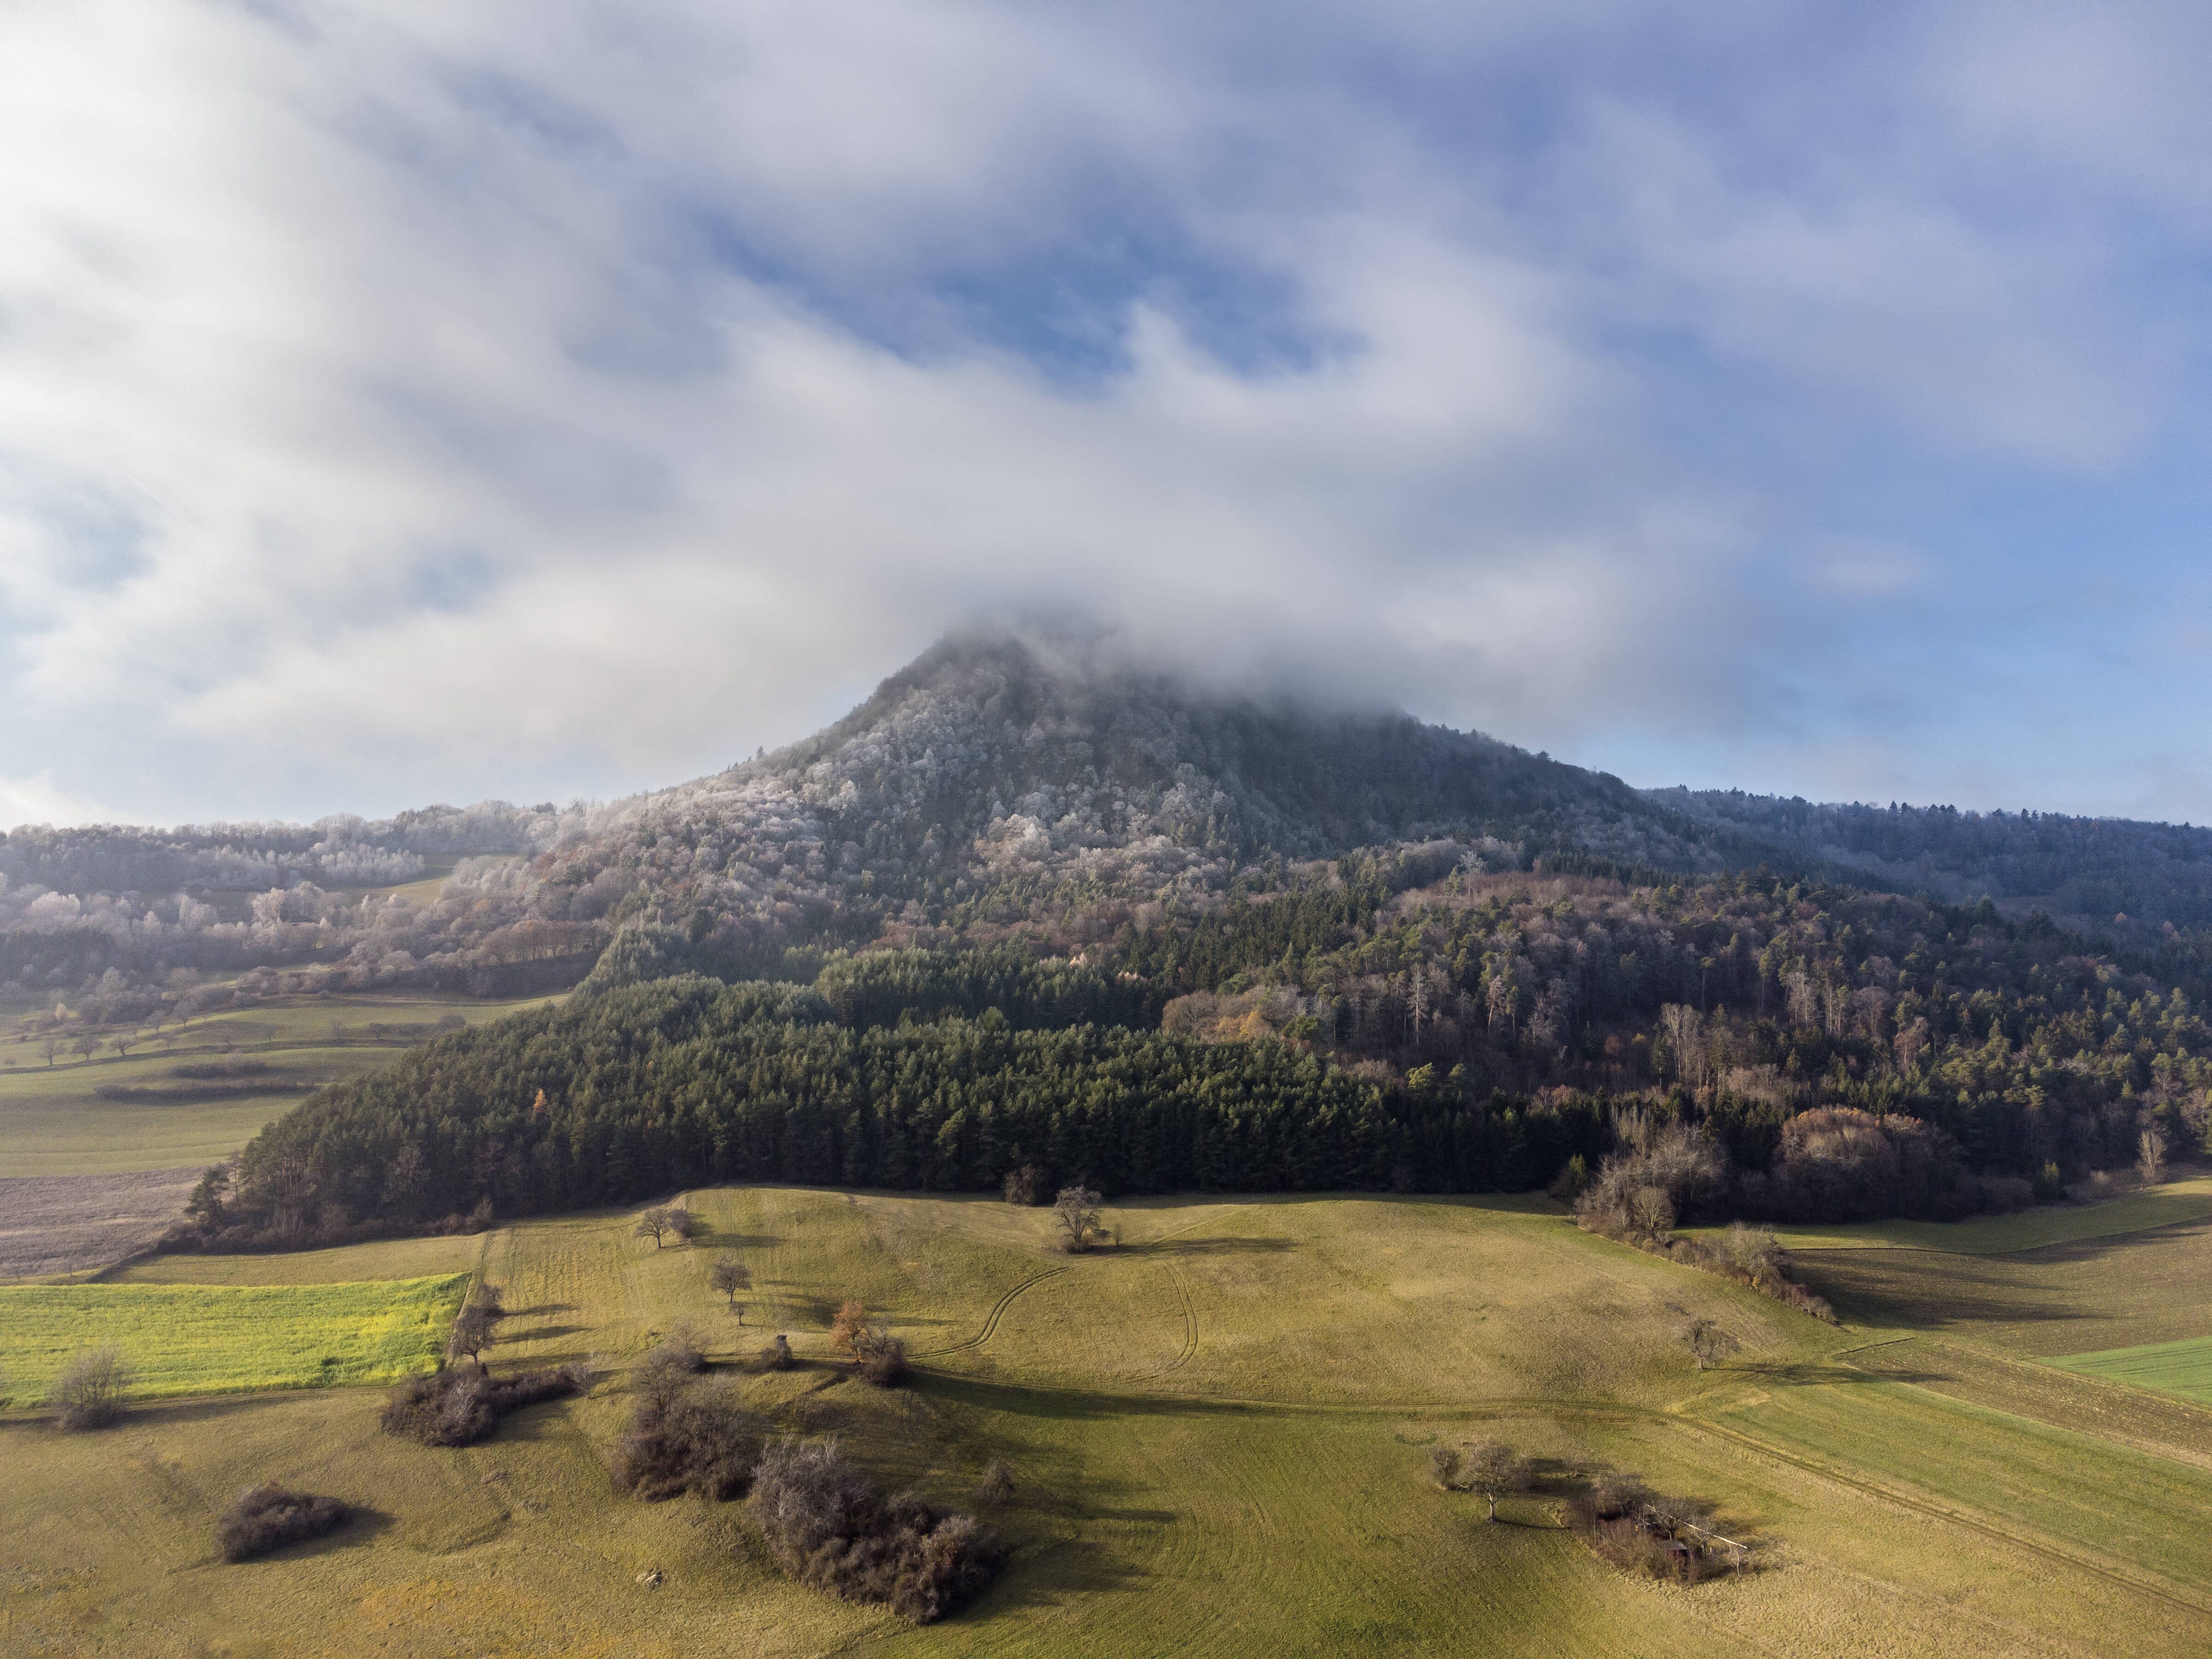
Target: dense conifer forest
x,y
1338,1032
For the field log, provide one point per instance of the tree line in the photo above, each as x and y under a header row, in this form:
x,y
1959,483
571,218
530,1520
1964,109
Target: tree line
x,y
687,1081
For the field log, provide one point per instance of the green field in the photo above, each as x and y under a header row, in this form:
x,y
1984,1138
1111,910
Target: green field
x,y
1219,1432
2181,1368
53,1122
2188,1199
187,1339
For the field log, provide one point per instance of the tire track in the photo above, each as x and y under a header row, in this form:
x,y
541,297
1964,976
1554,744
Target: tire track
x,y
991,1320
1189,1323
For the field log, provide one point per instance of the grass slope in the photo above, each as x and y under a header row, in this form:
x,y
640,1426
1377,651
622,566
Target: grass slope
x,y
184,1339
52,1122
1219,1432
2181,1368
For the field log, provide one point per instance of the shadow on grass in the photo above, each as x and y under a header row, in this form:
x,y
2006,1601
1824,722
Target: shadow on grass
x,y
1073,1405
1924,1291
1050,1575
705,1233
1815,1373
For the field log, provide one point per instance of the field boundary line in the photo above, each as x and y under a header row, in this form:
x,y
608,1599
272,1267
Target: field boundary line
x,y
1940,1512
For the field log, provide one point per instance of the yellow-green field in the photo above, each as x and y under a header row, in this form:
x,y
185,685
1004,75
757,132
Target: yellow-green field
x,y
184,1340
53,1122
2181,1368
1218,1431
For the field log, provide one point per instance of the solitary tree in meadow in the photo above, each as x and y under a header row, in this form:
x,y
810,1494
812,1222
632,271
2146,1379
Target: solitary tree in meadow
x,y
657,1223
1075,1210
1488,1466
729,1275
1705,1342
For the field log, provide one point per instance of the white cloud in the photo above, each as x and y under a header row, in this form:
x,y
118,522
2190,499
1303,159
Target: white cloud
x,y
39,800
450,395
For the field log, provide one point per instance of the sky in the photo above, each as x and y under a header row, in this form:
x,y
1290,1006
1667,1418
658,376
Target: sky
x,y
448,399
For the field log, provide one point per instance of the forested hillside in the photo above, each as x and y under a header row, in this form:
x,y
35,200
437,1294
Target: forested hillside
x,y
2102,869
1342,1030
995,787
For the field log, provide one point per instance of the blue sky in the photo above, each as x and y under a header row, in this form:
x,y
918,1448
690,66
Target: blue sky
x,y
437,401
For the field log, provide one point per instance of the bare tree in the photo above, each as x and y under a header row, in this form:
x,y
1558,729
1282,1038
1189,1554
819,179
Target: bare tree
x,y
729,1275
2150,1155
845,1330
656,1223
50,1045
1652,1211
1488,1466
1021,1185
1076,1209
473,1325
89,1394
1705,1342
997,1486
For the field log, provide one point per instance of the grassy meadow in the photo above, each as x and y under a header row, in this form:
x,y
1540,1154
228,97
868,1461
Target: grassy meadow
x,y
1219,1432
2181,1368
186,1339
54,1122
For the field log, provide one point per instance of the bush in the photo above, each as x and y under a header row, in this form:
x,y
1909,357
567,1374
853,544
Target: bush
x,y
997,1486
1625,1522
695,1440
879,1357
670,1366
460,1408
89,1394
1023,1187
268,1517
777,1356
826,1527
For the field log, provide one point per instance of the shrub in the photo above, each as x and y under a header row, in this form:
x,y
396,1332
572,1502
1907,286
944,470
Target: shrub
x,y
697,1440
879,1357
1625,1522
997,1486
1023,1187
667,1368
826,1527
268,1517
89,1394
460,1408
777,1356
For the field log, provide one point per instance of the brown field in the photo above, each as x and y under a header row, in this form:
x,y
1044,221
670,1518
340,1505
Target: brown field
x,y
52,1225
